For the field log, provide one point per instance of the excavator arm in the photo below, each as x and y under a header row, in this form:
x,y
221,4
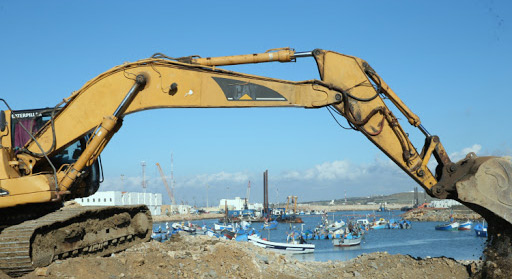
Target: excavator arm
x,y
481,183
347,84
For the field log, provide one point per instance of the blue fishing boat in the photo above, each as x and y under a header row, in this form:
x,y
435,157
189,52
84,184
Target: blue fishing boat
x,y
393,224
379,224
452,226
448,227
272,225
405,224
481,230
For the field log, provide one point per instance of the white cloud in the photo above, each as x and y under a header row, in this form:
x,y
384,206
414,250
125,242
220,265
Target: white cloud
x,y
221,177
456,156
326,171
325,181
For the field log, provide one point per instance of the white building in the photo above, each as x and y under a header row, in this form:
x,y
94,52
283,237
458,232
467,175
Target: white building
x,y
444,203
177,209
238,204
112,198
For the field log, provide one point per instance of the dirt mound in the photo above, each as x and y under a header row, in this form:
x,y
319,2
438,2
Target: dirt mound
x,y
188,256
71,204
498,252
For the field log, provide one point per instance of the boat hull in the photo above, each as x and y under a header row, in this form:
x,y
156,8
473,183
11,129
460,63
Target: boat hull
x,y
288,248
448,227
480,230
465,226
346,242
378,227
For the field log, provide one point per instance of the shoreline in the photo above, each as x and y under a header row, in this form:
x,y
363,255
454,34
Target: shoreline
x,y
418,214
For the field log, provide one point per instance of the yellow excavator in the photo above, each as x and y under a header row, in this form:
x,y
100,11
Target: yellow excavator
x,y
49,156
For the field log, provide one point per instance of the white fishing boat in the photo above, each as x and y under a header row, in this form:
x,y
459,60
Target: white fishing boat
x,y
283,247
220,227
345,242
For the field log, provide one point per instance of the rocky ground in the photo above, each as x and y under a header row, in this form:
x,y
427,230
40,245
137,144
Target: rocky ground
x,y
188,256
440,215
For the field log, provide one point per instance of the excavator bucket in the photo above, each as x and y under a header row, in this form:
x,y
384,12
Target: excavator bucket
x,y
487,189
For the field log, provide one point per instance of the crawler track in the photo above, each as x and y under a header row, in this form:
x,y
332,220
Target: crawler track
x,y
72,232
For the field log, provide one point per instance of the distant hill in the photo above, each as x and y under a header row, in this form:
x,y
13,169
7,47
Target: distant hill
x,y
401,198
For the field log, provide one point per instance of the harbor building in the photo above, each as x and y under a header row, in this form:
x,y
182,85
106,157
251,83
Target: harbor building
x,y
444,203
168,209
114,198
238,204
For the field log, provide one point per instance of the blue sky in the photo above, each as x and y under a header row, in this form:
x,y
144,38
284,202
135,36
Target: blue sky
x,y
449,61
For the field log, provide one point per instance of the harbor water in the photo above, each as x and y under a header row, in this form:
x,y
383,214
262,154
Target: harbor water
x,y
422,240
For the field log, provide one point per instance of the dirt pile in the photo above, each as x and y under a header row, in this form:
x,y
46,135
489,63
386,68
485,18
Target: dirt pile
x,y
498,252
204,257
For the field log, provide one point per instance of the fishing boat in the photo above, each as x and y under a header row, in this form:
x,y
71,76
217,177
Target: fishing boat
x,y
292,247
452,226
272,225
212,233
466,226
393,224
481,230
190,228
363,222
349,240
379,224
405,224
220,227
227,234
337,233
176,226
448,227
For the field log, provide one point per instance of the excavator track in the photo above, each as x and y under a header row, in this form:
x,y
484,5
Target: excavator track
x,y
72,232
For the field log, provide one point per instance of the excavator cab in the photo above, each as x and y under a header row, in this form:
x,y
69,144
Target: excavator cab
x,y
32,120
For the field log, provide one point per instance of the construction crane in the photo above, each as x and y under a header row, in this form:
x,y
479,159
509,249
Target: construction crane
x,y
169,191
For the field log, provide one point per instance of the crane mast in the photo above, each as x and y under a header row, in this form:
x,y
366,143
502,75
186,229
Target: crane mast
x,y
169,191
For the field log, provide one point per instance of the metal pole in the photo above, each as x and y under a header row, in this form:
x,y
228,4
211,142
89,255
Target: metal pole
x,y
303,54
424,131
140,82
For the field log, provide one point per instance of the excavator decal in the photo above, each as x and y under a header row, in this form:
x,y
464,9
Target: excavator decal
x,y
236,90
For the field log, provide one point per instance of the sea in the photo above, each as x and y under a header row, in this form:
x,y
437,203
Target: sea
x,y
422,240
